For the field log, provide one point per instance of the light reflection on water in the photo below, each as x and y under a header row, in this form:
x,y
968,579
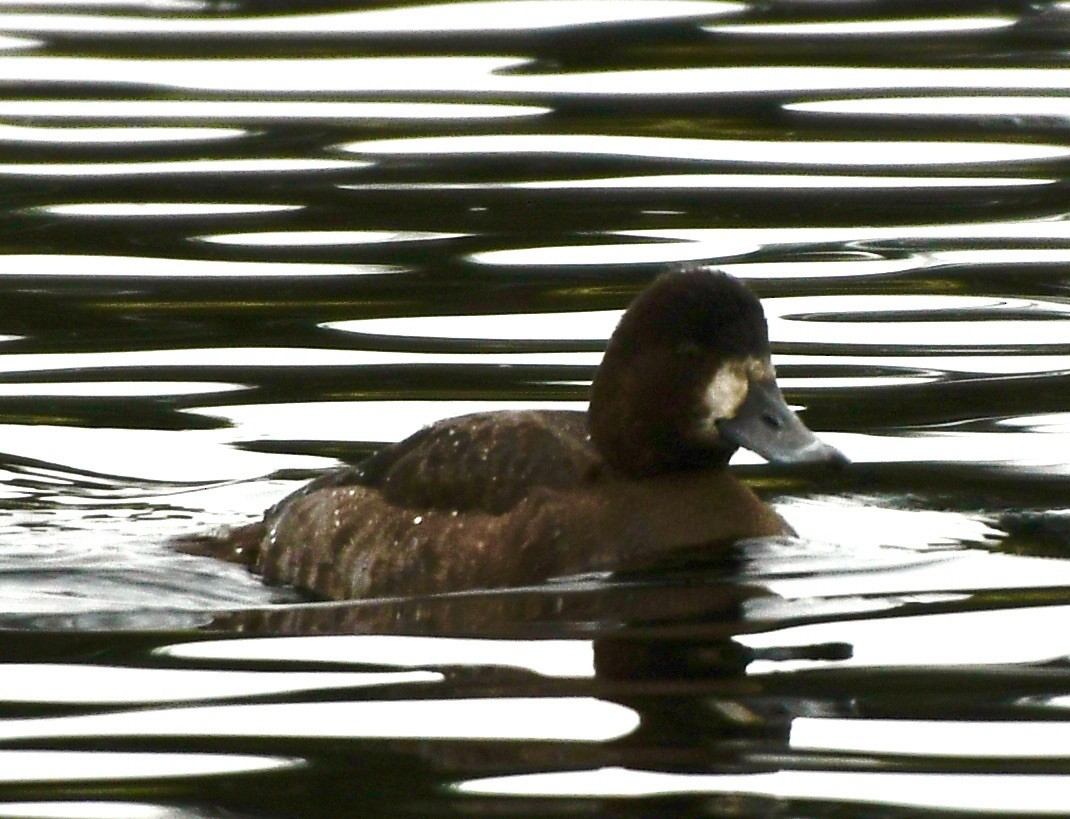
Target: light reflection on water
x,y
195,166
118,136
817,153
74,766
963,638
42,683
498,720
855,28
941,106
986,793
97,268
232,261
154,209
554,658
234,111
504,15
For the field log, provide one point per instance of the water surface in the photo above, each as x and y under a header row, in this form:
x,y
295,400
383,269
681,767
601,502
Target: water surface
x,y
244,243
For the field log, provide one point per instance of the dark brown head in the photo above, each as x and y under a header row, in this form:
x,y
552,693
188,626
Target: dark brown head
x,y
686,380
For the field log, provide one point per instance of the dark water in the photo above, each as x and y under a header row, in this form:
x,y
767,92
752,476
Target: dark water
x,y
244,242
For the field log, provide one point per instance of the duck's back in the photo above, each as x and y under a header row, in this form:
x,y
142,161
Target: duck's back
x,y
485,462
434,511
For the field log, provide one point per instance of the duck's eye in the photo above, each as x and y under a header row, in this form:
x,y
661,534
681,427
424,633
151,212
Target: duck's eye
x,y
772,421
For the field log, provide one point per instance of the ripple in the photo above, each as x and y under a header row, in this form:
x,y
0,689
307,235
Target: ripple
x,y
577,719
271,110
148,210
140,267
908,235
328,238
473,75
996,636
502,15
190,167
80,766
582,325
860,153
113,135
1013,794
116,389
117,685
760,182
177,456
554,658
933,738
941,106
862,28
374,421
900,321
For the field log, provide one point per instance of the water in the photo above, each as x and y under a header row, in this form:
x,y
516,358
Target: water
x,y
243,243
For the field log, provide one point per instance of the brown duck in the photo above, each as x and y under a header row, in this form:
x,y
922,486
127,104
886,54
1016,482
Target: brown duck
x,y
501,499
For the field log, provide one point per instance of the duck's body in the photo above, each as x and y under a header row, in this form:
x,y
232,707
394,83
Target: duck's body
x,y
513,498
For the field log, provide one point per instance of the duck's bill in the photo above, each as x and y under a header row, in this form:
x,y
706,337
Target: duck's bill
x,y
767,425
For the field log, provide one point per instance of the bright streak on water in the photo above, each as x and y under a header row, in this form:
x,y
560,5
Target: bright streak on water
x,y
501,16
977,364
374,421
323,75
865,523
779,152
149,210
1028,739
857,320
706,244
192,166
568,719
776,80
764,182
273,110
87,810
1030,452
139,5
1030,229
326,238
552,658
23,767
1049,423
138,267
791,319
1022,635
942,106
116,389
824,269
51,683
13,43
1009,794
582,325
176,456
297,357
715,244
113,136
853,28
472,75
611,254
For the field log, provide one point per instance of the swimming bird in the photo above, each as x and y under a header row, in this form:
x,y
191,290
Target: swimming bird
x,y
513,498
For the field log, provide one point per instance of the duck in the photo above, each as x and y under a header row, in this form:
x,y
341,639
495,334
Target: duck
x,y
515,498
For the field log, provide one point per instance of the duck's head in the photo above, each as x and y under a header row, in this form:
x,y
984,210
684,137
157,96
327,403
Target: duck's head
x,y
687,379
